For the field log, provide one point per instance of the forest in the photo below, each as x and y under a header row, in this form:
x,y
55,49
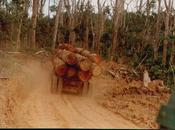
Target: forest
x,y
87,64
143,34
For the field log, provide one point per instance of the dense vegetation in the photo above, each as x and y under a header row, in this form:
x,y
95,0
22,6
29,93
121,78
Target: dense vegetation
x,y
144,35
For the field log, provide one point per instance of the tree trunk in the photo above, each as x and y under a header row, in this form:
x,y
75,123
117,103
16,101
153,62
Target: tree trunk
x,y
48,9
156,41
99,26
42,3
84,75
60,36
140,6
69,48
59,66
71,19
96,70
146,78
56,24
84,63
86,36
72,35
68,57
34,22
18,41
165,43
93,34
117,21
172,53
146,32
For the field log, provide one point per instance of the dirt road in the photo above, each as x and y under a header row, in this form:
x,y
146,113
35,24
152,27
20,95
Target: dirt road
x,y
35,106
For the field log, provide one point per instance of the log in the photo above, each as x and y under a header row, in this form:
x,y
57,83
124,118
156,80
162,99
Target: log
x,y
75,59
68,47
61,46
60,67
83,62
95,58
71,72
86,53
84,75
67,56
96,70
79,50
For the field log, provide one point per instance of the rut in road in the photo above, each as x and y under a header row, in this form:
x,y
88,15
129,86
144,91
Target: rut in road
x,y
37,107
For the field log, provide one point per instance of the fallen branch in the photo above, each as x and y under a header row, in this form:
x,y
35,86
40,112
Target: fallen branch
x,y
141,61
42,52
134,71
15,52
113,74
39,52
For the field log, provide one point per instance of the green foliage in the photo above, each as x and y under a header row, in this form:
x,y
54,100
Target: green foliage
x,y
171,38
44,31
157,72
135,36
53,8
156,69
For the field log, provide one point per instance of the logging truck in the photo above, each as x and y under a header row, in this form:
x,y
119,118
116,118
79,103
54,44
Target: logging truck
x,y
73,68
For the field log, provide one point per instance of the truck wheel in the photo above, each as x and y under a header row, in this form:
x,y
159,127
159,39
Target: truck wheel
x,y
85,89
53,83
60,85
89,89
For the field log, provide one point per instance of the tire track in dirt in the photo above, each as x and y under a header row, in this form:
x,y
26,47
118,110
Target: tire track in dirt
x,y
41,109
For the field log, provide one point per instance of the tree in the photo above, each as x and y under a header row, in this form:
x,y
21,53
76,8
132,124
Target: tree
x,y
34,22
117,22
24,4
42,3
58,12
167,19
173,41
99,24
157,40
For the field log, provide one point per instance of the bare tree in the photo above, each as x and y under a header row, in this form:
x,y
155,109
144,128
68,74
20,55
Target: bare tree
x,y
21,15
42,3
59,7
173,33
18,41
48,9
156,41
99,26
167,29
140,5
87,21
117,22
34,22
72,22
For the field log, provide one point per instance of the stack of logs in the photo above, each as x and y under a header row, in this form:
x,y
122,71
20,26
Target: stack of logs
x,y
73,63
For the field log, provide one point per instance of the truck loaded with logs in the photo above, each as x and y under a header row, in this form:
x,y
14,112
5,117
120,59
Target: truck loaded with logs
x,y
73,68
